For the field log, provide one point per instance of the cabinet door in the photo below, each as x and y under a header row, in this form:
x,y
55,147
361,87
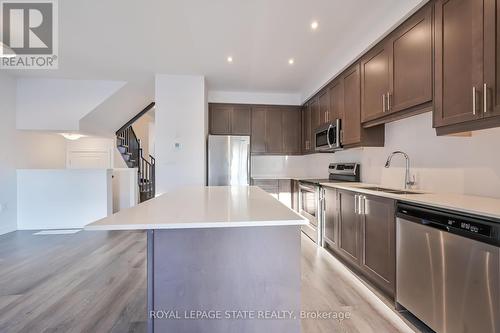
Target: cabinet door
x,y
315,118
336,95
375,82
285,192
306,128
274,131
459,61
241,120
291,130
491,58
258,138
378,225
331,218
348,226
411,62
324,106
220,119
351,125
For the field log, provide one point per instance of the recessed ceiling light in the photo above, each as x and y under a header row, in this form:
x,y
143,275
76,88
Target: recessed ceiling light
x,y
229,59
291,61
314,25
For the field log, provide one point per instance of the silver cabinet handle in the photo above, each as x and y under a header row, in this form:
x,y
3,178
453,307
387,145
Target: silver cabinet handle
x,y
474,100
383,103
356,204
485,98
388,101
364,205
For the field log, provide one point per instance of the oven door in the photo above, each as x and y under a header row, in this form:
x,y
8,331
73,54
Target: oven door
x,y
308,207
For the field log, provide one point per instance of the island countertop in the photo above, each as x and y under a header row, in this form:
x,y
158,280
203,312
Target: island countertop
x,y
203,207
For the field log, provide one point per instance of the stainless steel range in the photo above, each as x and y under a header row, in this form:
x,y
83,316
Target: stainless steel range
x,y
311,197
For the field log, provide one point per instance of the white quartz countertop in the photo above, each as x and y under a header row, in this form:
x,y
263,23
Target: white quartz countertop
x,y
203,207
483,206
287,177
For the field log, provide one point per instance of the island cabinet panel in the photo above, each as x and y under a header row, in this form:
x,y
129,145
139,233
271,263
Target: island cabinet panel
x,y
411,62
229,119
378,227
331,236
281,189
258,138
375,82
192,269
349,227
459,61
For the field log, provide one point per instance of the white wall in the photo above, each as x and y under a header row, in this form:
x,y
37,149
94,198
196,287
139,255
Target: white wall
x,y
180,119
39,150
125,188
253,98
142,130
53,199
59,104
8,155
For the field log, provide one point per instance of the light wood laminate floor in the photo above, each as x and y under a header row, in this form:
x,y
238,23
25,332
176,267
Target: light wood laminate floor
x,y
96,282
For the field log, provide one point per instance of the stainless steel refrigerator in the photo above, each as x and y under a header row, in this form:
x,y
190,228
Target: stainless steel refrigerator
x,y
228,160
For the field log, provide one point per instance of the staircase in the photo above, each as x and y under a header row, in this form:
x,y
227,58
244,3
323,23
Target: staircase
x,y
130,148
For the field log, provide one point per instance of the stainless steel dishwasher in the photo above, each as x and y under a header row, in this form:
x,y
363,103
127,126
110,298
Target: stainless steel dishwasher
x,y
448,269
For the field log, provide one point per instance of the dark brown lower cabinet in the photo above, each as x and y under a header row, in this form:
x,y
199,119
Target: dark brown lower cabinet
x,y
281,189
361,230
331,237
378,230
349,227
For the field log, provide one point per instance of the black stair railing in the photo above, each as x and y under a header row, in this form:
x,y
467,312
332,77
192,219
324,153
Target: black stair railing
x,y
130,148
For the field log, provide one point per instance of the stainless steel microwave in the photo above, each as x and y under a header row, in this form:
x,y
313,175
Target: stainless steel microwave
x,y
327,137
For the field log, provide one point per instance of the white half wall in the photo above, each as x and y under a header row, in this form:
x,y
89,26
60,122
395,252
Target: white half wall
x,y
8,156
180,143
56,199
254,98
125,188
59,104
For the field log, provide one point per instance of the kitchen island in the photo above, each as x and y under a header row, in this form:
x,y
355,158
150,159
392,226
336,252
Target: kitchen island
x,y
220,259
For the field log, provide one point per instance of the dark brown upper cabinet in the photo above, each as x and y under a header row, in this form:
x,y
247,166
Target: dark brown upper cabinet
x,y
352,133
291,120
306,129
396,74
375,82
336,95
315,115
276,130
351,122
258,137
467,91
229,119
324,106
411,62
459,62
491,84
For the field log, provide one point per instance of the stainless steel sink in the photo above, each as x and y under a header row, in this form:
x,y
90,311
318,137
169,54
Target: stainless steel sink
x,y
388,190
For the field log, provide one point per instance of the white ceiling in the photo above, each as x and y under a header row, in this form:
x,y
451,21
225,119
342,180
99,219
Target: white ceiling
x,y
132,40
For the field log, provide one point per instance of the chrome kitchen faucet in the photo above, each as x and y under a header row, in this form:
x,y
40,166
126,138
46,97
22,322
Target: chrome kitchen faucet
x,y
408,183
